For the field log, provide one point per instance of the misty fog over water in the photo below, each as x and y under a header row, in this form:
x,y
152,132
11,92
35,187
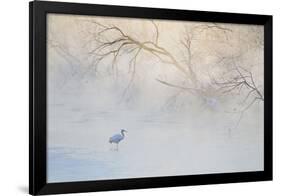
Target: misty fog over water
x,y
170,131
158,142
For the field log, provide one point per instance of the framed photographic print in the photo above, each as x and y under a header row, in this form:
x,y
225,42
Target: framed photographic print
x,y
129,97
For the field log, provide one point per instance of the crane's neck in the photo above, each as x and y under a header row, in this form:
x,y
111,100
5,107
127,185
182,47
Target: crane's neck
x,y
122,133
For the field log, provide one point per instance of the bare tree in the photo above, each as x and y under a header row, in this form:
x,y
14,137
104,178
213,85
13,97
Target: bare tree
x,y
236,79
108,42
111,42
239,81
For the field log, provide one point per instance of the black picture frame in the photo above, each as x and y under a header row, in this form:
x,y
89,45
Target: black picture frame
x,y
37,100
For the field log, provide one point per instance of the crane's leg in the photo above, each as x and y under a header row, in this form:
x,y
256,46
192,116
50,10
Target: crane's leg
x,y
110,146
117,147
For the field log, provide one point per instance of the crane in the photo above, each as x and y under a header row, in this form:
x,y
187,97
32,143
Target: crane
x,y
117,138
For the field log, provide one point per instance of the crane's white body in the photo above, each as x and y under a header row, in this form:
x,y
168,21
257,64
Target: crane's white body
x,y
117,138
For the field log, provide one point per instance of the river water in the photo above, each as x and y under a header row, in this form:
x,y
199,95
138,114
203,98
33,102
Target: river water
x,y
158,143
